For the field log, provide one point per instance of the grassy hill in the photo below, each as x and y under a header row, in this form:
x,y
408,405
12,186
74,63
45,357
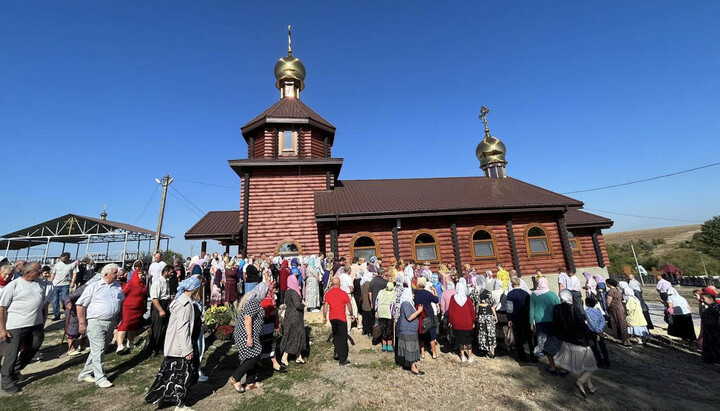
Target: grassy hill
x,y
673,236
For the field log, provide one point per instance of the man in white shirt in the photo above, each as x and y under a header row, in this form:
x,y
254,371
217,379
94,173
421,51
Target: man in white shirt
x,y
62,275
562,278
346,285
23,306
155,269
573,284
159,315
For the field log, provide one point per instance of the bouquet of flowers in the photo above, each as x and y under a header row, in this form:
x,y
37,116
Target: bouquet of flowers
x,y
217,316
224,332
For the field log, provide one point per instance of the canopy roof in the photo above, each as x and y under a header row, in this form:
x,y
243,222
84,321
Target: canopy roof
x,y
75,228
218,225
670,269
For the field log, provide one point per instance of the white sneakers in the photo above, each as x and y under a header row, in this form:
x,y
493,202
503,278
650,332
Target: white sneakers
x,y
471,359
105,384
462,358
120,348
89,378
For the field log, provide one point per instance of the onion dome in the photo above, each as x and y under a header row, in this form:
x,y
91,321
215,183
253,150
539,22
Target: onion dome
x,y
491,151
289,68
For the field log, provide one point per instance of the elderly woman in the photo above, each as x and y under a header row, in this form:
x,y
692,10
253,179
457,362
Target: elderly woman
x,y
575,354
408,349
426,296
461,316
637,326
447,295
542,301
251,317
313,274
23,305
231,280
638,292
366,304
179,370
710,321
385,304
293,340
486,317
616,312
133,307
682,323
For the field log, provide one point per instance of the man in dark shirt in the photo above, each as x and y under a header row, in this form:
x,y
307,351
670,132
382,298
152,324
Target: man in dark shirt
x,y
518,314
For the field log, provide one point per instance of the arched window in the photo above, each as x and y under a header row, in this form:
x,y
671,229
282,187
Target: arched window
x,y
364,245
425,246
288,248
482,244
538,242
574,243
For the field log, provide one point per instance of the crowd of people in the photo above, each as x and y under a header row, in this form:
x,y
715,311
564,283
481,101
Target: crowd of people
x,y
408,309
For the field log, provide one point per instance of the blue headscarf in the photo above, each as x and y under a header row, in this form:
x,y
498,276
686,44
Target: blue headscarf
x,y
294,262
189,284
241,264
197,269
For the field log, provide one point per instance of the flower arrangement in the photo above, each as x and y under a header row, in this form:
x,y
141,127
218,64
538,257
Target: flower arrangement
x,y
224,332
217,316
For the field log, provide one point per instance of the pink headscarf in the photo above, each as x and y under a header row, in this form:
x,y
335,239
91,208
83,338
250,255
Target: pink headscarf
x,y
542,286
292,283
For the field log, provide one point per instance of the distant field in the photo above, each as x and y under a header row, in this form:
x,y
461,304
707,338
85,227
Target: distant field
x,y
672,236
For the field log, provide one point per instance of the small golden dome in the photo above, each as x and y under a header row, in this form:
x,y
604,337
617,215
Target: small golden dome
x,y
490,150
289,68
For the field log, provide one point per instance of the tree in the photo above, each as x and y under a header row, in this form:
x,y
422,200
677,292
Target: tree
x,y
710,237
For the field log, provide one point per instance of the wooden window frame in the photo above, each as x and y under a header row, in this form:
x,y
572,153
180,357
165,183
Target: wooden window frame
x,y
531,254
438,251
281,143
364,234
492,240
287,240
574,238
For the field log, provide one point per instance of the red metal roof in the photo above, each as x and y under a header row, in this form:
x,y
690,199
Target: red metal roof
x,y
292,109
577,218
452,195
216,225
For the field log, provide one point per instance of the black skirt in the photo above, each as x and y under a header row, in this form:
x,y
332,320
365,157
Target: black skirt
x,y
682,327
173,380
463,337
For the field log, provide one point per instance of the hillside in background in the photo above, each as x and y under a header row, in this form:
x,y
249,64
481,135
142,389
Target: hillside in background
x,y
673,236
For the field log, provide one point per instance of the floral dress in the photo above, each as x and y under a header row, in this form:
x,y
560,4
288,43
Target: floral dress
x,y
485,320
312,288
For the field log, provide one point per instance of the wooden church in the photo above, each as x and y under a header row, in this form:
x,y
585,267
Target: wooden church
x,y
293,202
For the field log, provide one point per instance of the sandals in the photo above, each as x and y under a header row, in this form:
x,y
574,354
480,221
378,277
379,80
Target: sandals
x,y
592,389
254,385
236,385
281,369
298,361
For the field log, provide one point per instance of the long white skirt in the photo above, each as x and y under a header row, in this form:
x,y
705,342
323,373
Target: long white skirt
x,y
575,358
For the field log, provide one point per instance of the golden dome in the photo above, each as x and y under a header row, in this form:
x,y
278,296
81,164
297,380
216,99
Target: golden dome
x,y
490,150
289,68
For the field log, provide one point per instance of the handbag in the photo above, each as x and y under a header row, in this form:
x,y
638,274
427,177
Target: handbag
x,y
376,330
428,323
668,318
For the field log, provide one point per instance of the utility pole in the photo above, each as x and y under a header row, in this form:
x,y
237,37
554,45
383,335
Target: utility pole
x,y
637,265
165,183
703,263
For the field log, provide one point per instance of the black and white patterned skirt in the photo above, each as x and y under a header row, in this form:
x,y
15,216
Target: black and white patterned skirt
x,y
173,380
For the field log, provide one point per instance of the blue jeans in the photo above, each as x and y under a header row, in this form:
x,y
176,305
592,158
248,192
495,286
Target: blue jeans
x,y
58,299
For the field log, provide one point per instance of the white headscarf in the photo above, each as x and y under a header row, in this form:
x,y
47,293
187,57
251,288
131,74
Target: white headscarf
x,y
450,285
461,292
407,295
480,283
367,276
566,296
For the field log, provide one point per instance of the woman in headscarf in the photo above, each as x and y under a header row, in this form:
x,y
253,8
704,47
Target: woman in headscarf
x,y
284,274
385,303
710,328
469,275
216,294
437,285
590,285
366,307
444,274
682,323
399,287
133,308
601,291
461,317
408,348
447,295
637,327
179,370
575,354
637,290
392,270
426,297
327,271
312,285
616,312
271,325
485,315
251,317
293,340
542,301
231,279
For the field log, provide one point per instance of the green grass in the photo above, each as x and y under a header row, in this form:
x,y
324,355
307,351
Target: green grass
x,y
368,351
77,397
52,380
382,364
272,400
17,402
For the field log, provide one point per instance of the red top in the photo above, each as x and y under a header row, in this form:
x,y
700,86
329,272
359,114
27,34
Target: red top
x,y
284,274
461,318
133,306
337,299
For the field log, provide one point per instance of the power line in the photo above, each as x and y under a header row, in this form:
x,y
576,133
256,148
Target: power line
x,y
643,216
208,184
192,210
186,199
146,205
643,180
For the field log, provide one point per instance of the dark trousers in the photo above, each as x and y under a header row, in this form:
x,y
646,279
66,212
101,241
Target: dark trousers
x,y
663,297
158,326
597,345
577,301
29,339
247,369
368,321
340,339
523,335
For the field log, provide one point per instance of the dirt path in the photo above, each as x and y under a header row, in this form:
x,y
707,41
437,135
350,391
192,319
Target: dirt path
x,y
652,377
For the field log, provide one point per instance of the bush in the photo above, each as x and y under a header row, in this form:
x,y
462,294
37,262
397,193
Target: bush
x,y
224,332
217,316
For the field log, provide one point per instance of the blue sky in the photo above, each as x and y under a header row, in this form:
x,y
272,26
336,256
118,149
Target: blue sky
x,y
97,99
